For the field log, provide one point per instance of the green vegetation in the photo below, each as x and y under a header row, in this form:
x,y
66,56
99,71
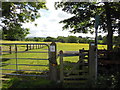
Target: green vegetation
x,y
69,39
74,39
83,19
15,14
28,82
13,82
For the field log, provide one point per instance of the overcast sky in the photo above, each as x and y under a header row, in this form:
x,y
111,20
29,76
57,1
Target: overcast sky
x,y
48,23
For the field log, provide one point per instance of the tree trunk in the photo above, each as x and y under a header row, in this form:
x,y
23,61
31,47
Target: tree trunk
x,y
109,27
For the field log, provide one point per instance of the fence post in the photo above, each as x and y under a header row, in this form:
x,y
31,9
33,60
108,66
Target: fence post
x,y
81,56
92,64
0,50
10,49
16,50
61,66
33,46
30,47
53,62
27,47
36,46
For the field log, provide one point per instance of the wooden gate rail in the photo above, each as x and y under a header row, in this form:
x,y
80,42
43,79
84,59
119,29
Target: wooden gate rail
x,y
68,54
29,46
16,58
89,61
52,73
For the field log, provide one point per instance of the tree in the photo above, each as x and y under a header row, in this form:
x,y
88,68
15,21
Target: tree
x,y
84,14
49,39
100,37
16,33
14,14
116,40
105,39
72,39
61,39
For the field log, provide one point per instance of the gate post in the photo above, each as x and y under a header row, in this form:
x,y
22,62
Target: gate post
x,y
53,62
92,63
61,66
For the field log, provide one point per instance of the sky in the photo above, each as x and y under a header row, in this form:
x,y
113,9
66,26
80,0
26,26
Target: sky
x,y
48,24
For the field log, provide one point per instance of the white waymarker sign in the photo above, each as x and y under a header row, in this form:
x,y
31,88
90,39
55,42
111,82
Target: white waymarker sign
x,y
52,48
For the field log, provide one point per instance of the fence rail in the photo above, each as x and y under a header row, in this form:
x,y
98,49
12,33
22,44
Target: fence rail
x,y
26,47
25,64
73,75
25,51
47,67
25,70
28,58
16,74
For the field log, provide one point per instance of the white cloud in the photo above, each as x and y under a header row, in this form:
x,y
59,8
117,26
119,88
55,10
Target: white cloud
x,y
48,23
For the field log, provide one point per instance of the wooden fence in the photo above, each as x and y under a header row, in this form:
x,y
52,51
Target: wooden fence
x,y
10,48
29,48
85,70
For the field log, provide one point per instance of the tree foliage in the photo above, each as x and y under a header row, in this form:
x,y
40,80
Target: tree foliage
x,y
72,39
14,14
84,13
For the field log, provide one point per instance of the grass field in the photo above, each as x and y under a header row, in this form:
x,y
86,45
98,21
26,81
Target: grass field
x,y
60,46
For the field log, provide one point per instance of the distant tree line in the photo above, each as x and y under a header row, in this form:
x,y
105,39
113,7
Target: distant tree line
x,y
74,39
69,39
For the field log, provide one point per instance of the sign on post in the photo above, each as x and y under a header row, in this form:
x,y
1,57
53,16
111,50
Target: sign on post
x,y
52,48
53,62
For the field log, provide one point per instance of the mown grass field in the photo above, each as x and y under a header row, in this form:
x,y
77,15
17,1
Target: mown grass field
x,y
60,46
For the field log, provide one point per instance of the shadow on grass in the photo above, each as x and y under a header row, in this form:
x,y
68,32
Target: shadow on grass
x,y
4,59
28,81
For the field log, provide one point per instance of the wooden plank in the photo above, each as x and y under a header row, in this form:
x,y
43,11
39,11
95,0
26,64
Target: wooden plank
x,y
77,76
76,71
78,63
106,62
70,52
75,81
24,74
25,70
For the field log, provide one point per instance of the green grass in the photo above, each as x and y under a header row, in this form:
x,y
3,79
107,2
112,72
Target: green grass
x,y
31,82
60,46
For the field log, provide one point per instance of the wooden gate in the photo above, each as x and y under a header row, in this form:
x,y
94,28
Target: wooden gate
x,y
29,59
82,71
